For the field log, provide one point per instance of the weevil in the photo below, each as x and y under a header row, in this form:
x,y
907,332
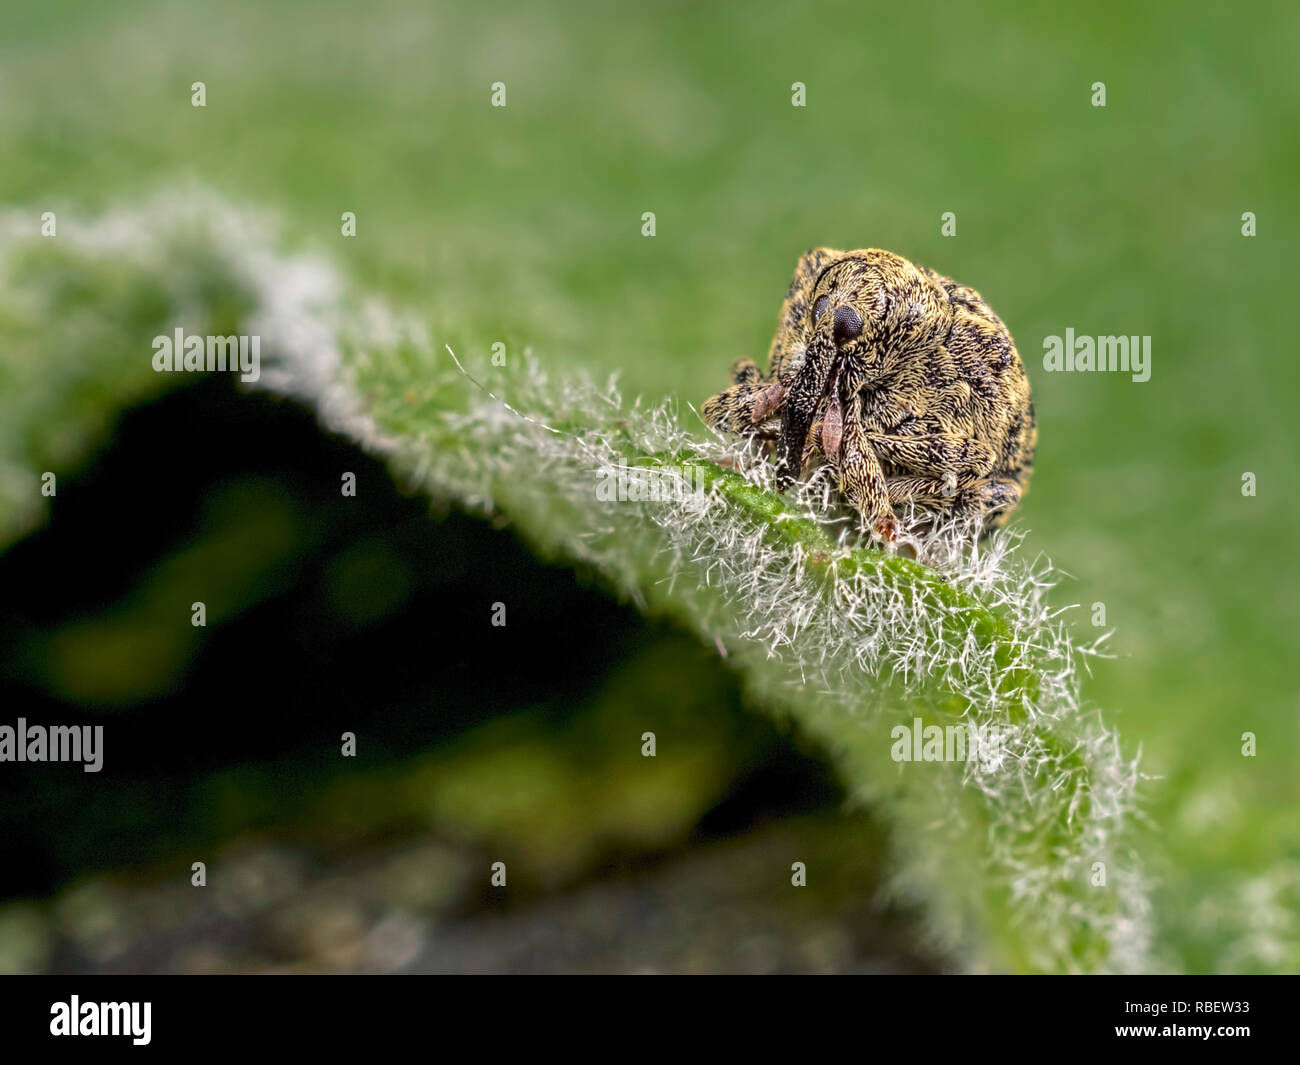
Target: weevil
x,y
905,381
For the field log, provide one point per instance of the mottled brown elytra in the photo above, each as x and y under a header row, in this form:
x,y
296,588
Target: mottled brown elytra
x,y
904,380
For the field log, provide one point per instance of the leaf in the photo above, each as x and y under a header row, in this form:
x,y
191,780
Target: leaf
x,y
860,648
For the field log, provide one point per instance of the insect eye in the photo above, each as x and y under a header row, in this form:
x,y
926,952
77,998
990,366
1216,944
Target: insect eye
x,y
819,308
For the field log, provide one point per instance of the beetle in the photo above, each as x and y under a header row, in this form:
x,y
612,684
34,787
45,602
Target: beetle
x,y
905,381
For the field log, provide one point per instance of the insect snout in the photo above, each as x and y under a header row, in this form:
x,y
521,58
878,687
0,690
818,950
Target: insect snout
x,y
847,326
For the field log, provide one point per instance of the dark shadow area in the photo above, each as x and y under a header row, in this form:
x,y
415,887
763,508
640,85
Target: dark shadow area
x,y
375,618
329,614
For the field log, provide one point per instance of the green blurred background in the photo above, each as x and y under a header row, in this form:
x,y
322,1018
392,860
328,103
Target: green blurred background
x,y
523,225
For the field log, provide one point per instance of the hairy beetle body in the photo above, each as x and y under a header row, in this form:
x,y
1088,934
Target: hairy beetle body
x,y
905,381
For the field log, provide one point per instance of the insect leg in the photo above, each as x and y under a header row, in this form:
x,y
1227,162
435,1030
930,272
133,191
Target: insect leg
x,y
740,408
997,499
928,491
745,371
935,455
862,480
